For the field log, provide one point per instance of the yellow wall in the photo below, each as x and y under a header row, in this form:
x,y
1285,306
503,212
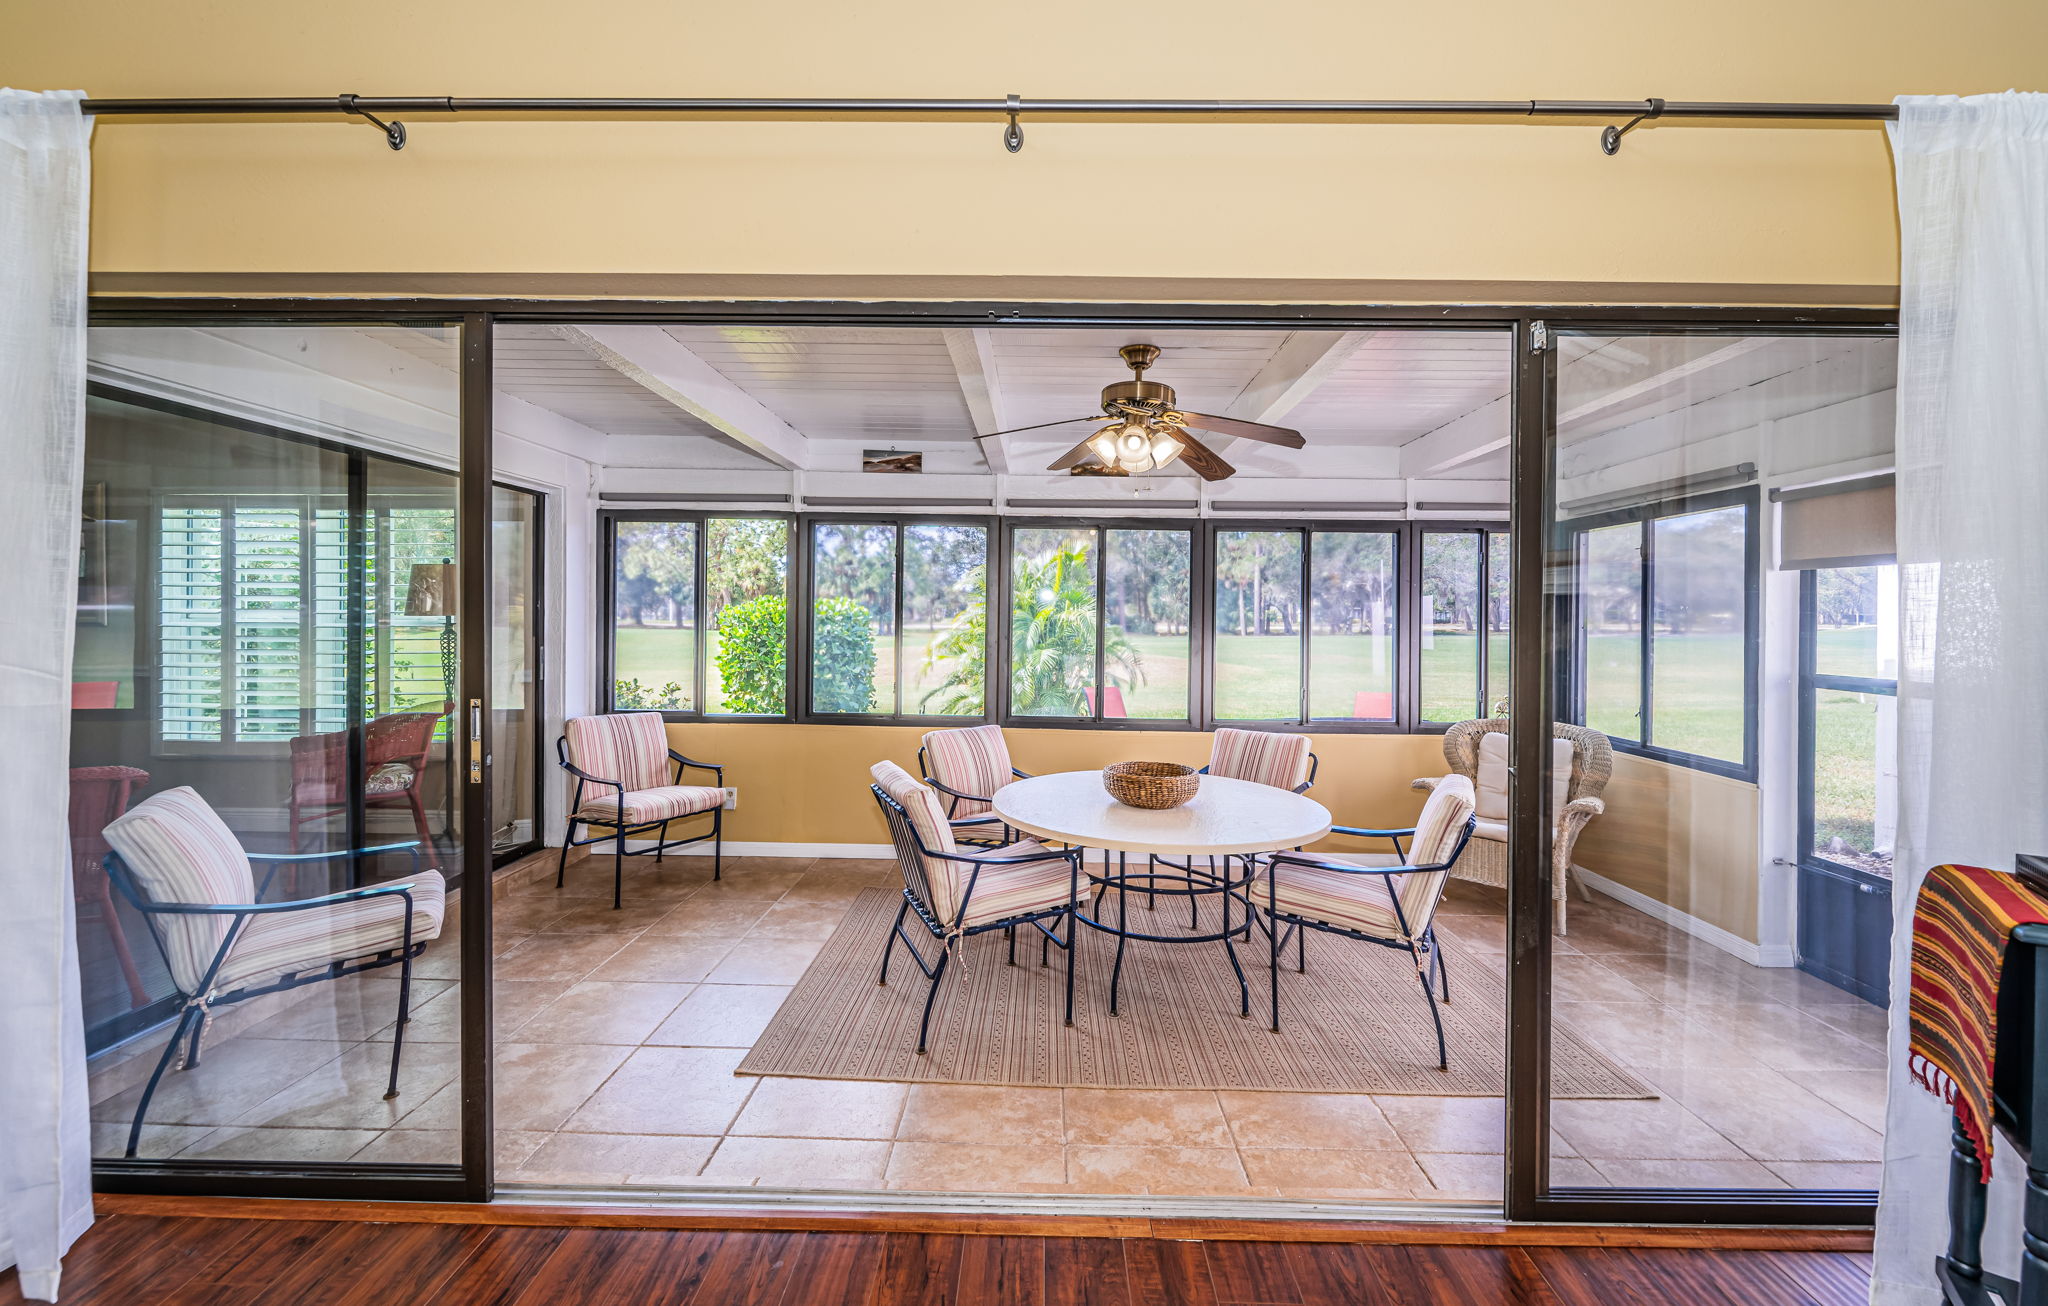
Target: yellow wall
x,y
1417,211
1683,837
809,784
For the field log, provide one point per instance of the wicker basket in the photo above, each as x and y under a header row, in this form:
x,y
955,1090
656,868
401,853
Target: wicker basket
x,y
1153,785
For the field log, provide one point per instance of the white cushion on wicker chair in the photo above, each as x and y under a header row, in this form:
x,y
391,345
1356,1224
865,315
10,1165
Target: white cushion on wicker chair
x,y
1493,776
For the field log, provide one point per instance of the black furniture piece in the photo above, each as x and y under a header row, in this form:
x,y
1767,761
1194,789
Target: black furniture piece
x,y
2019,1092
1231,883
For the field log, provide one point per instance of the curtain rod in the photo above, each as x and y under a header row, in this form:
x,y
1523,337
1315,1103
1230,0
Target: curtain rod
x,y
1009,107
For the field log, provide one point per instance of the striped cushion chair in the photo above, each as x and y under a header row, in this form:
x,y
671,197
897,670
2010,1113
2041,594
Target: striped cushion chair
x,y
1388,900
628,780
959,893
189,877
1263,757
968,766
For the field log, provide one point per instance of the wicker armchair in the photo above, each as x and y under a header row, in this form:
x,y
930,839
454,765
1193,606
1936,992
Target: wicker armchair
x,y
1577,782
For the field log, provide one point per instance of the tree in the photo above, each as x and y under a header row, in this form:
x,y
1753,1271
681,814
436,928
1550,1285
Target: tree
x,y
656,569
744,557
1052,642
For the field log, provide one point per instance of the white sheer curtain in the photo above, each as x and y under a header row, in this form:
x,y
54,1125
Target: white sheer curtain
x,y
1973,563
45,1140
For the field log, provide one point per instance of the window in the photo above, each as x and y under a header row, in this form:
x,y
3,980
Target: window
x,y
1351,626
1259,592
1666,630
1101,622
1451,656
898,619
1331,658
1850,717
700,614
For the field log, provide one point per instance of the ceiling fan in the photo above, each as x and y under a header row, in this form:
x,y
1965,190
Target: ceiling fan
x,y
1147,432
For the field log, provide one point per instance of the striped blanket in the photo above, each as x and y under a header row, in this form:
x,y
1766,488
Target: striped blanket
x,y
1961,924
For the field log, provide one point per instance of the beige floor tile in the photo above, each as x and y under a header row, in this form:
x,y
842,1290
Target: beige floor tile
x,y
758,960
667,1091
403,1146
1772,1118
513,1003
1860,1094
600,917
975,1167
568,1158
522,913
605,1011
348,1092
1679,979
1790,984
1586,979
822,885
1317,1172
747,883
1656,1130
1862,1019
231,1078
110,1139
557,956
1651,1036
1785,1038
1467,1176
801,1162
249,1143
346,1011
980,1113
540,1085
1854,1176
1447,1124
822,1108
1687,1174
1204,1170
1129,1117
800,920
723,918
1326,1120
665,960
721,1015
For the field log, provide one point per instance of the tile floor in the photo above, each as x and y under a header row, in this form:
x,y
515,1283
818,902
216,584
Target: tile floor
x,y
619,1032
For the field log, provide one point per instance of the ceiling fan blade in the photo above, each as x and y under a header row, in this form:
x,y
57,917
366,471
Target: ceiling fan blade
x,y
1259,431
1064,421
1202,460
1073,457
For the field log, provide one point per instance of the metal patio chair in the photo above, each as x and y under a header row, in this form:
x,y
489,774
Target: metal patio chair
x,y
628,753
1390,902
968,764
1266,757
957,894
180,866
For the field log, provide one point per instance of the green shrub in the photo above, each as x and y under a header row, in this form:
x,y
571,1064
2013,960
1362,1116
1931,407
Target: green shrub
x,y
751,638
628,695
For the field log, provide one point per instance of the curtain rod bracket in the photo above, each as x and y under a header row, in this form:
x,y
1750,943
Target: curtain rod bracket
x,y
394,131
1013,135
1610,137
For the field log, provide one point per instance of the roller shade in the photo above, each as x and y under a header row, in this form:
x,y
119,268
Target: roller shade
x,y
1842,524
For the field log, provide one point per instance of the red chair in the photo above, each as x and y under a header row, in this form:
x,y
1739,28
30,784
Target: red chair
x,y
98,795
395,749
1373,705
1112,701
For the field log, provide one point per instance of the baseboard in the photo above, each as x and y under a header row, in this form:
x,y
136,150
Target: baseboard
x,y
746,848
1735,945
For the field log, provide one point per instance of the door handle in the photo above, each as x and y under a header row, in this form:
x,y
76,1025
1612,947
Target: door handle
x,y
476,741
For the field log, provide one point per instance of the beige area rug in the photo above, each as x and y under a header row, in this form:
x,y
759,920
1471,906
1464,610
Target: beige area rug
x,y
1354,1023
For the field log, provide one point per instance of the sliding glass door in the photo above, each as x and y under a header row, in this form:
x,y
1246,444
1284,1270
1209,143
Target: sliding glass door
x,y
518,766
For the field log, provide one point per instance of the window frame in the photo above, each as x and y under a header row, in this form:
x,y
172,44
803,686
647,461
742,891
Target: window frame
x,y
807,610
1571,672
607,650
1488,532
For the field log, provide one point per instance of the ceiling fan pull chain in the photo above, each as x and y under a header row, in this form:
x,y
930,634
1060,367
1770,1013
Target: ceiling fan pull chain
x,y
1013,135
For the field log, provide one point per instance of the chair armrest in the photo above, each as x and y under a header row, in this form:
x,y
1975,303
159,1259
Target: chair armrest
x,y
955,793
301,858
1426,784
402,888
1047,855
1584,808
717,768
1364,833
1277,860
1021,775
582,774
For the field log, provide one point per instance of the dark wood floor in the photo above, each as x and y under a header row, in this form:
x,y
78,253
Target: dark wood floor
x,y
185,1260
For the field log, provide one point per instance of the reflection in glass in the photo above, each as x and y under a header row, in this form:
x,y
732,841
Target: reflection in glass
x,y
1258,625
1499,572
1351,625
945,620
1697,647
654,615
1148,597
853,617
1611,630
515,671
746,607
1052,624
1856,615
1450,625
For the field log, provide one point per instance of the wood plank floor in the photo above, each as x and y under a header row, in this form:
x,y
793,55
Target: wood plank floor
x,y
188,1260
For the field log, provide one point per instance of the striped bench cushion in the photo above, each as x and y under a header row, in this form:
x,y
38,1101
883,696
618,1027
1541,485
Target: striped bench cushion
x,y
1353,902
1005,891
651,806
974,760
314,937
1261,756
629,748
179,850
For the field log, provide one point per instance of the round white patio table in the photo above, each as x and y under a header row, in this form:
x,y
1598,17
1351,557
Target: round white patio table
x,y
1227,819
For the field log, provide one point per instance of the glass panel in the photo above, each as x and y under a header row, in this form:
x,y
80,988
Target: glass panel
x,y
1450,625
266,639
1146,624
945,620
1698,645
1856,614
654,615
746,608
1258,626
1052,621
1717,1018
1351,625
1855,778
853,617
516,711
1611,630
1499,574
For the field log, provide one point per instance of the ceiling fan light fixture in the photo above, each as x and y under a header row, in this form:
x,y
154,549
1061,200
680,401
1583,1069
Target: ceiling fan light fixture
x,y
1103,444
1165,449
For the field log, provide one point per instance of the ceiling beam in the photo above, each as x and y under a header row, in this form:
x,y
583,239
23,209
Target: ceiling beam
x,y
974,362
1304,360
664,366
1607,400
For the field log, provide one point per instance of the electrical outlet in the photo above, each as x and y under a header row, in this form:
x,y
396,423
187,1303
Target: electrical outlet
x,y
732,799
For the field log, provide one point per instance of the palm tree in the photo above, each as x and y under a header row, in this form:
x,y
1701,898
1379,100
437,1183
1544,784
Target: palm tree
x,y
1052,643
